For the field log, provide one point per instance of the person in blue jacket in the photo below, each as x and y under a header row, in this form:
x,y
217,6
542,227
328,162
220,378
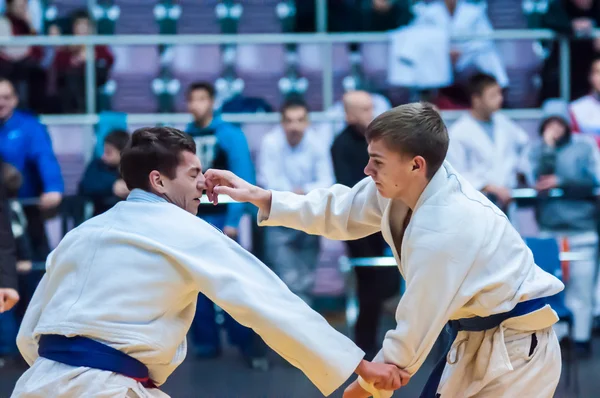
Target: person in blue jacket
x,y
220,145
26,144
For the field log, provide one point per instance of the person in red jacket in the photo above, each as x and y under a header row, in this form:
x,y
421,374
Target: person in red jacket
x,y
69,66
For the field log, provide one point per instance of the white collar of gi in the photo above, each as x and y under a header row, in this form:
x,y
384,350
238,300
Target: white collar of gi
x,y
139,195
437,182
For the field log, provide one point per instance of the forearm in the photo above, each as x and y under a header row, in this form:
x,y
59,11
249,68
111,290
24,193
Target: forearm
x,y
338,212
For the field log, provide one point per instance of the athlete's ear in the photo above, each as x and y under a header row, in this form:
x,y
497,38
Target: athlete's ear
x,y
156,182
418,163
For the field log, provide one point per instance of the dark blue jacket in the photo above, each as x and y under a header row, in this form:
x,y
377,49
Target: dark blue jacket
x,y
222,145
25,143
97,185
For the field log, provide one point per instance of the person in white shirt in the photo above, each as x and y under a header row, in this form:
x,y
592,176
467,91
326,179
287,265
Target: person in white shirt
x,y
486,147
111,314
585,111
585,117
294,159
466,267
445,61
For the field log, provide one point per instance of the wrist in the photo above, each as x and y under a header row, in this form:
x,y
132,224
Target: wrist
x,y
263,201
360,368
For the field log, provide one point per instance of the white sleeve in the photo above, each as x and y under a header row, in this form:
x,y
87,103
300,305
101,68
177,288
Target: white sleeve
x,y
255,297
270,175
436,272
338,213
323,171
27,344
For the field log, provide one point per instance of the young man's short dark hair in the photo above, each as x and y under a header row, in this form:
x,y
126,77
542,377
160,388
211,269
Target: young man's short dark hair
x,y
153,148
479,82
294,102
206,86
415,129
118,139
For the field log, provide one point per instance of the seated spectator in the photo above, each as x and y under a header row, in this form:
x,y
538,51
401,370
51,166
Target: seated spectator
x,y
461,17
486,147
21,64
26,144
585,112
102,182
570,162
69,66
297,161
575,18
24,252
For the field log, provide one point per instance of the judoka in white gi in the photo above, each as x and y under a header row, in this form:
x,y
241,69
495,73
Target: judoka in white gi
x,y
486,147
121,289
461,258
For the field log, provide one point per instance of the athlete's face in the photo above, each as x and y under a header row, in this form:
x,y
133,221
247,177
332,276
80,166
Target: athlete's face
x,y
185,190
394,174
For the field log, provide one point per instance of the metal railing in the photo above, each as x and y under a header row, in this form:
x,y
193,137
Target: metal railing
x,y
324,39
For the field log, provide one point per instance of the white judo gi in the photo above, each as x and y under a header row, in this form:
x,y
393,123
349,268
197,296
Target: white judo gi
x,y
129,278
461,258
483,161
476,54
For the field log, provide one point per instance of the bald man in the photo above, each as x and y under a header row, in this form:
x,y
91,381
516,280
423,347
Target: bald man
x,y
350,157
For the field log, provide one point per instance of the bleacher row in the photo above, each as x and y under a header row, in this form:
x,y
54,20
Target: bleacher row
x,y
261,67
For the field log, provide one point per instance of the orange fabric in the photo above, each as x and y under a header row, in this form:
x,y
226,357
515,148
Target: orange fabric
x,y
564,247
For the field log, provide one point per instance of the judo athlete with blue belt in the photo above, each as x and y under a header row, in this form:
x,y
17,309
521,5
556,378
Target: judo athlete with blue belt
x,y
466,268
111,314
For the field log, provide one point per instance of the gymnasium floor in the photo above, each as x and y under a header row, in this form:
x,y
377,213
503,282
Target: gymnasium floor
x,y
228,377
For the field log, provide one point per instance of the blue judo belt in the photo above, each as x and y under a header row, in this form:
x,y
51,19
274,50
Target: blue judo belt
x,y
476,324
82,351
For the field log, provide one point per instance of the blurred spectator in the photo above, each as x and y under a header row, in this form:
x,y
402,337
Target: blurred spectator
x,y
570,162
21,64
102,181
69,66
575,18
374,284
220,145
585,112
486,147
26,144
8,278
296,161
24,251
462,17
329,130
